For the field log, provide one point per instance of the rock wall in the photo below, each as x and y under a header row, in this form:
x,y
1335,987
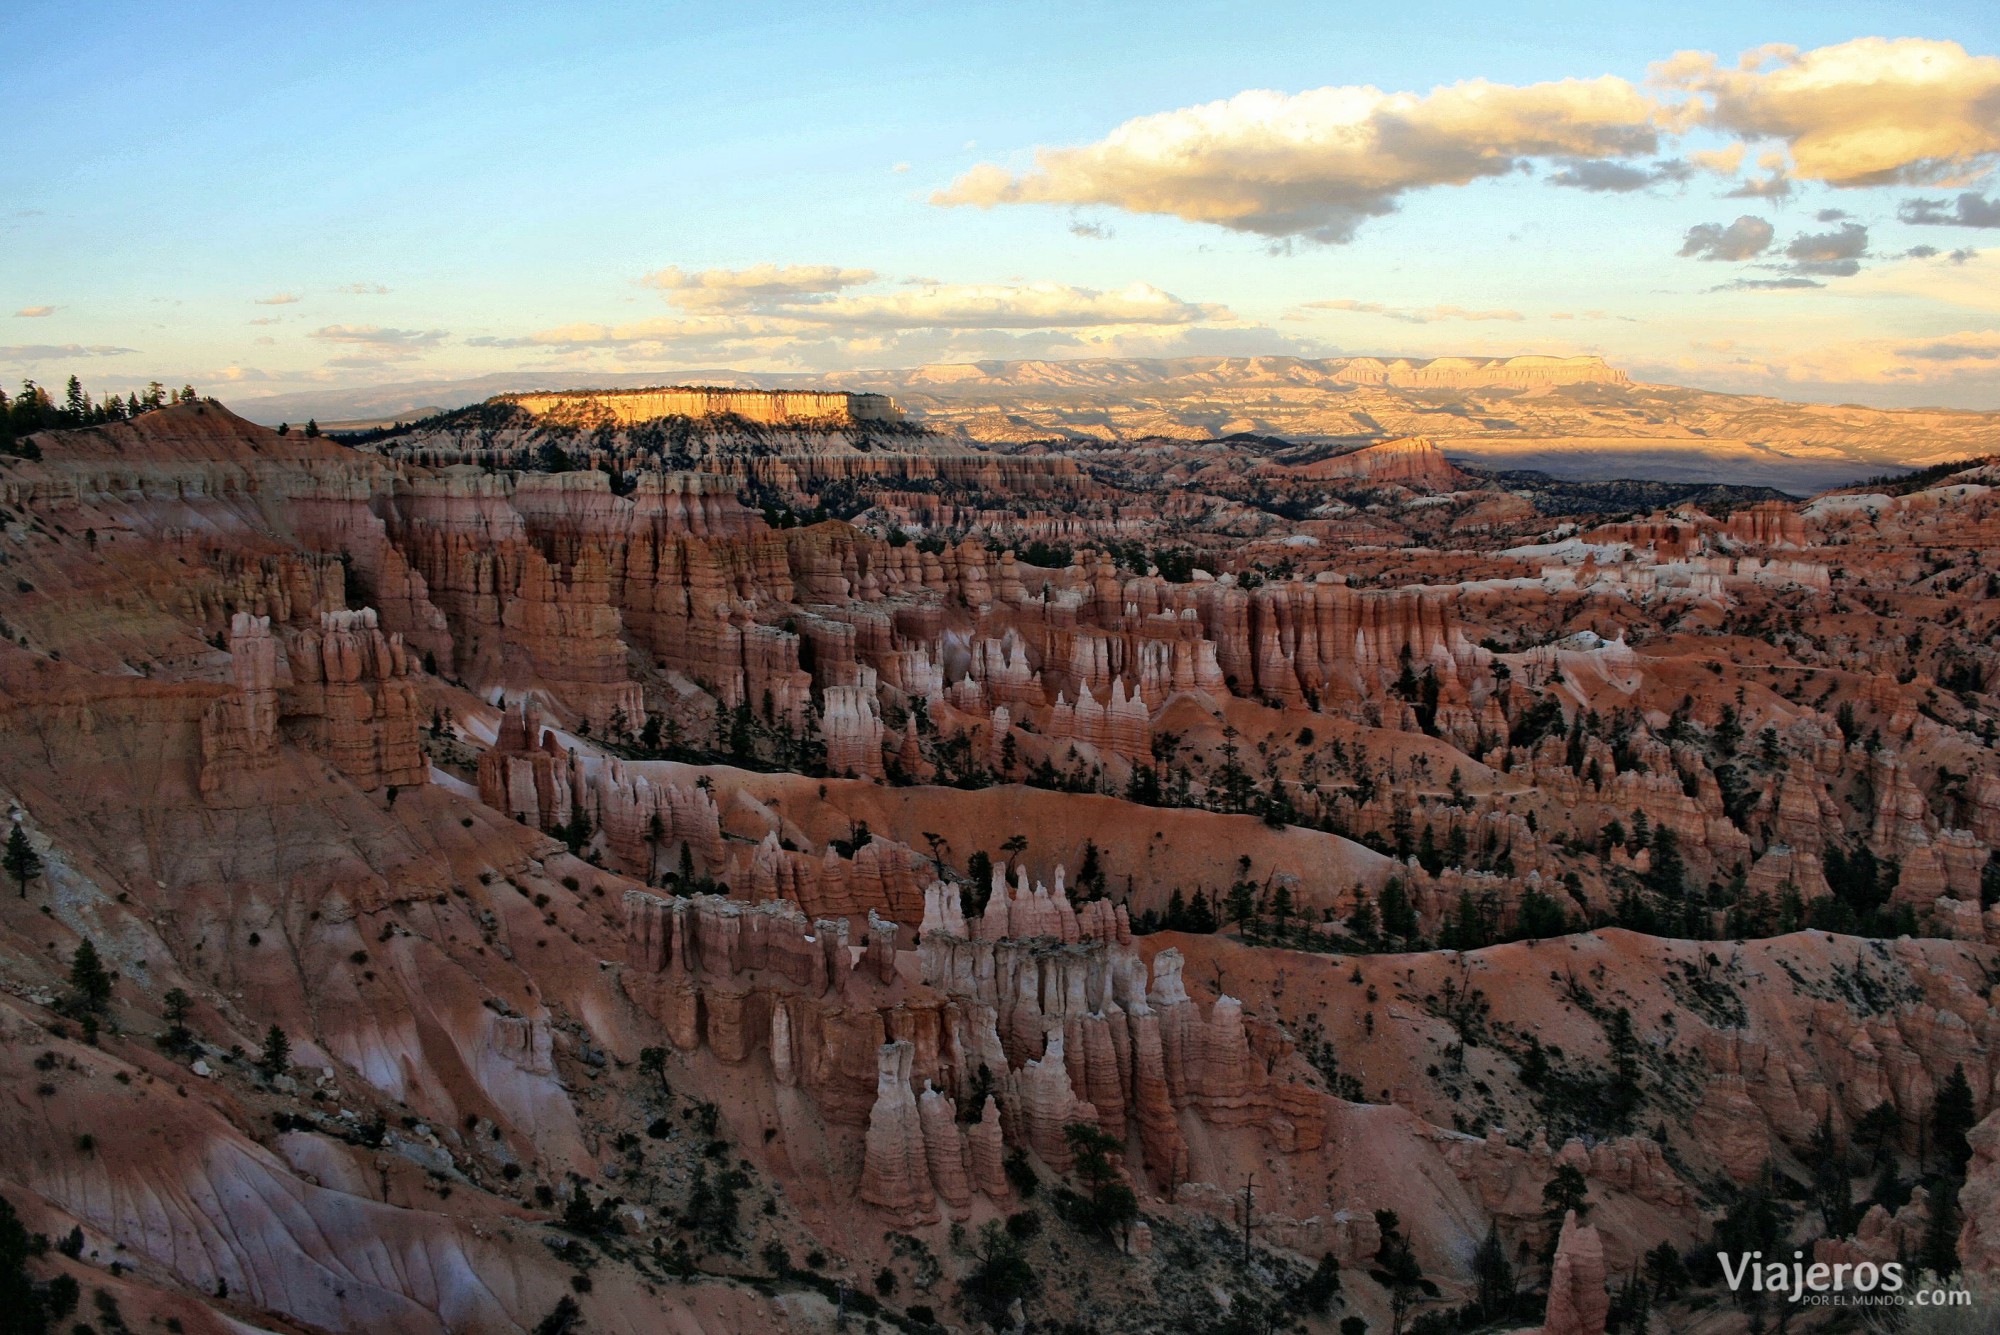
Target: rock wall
x,y
351,691
772,407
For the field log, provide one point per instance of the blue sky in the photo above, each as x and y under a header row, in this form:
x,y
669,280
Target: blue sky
x,y
260,199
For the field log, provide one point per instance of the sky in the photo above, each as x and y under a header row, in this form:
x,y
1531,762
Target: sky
x,y
258,199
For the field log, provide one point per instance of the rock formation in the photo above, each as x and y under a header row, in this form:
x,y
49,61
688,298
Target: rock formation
x,y
1578,1302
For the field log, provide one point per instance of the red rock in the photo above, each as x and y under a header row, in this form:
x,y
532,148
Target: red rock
x,y
896,1176
1578,1301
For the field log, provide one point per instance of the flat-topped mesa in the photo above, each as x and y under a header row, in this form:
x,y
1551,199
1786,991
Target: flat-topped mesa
x,y
772,407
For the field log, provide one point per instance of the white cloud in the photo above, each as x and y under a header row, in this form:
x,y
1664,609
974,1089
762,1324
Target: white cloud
x,y
1873,111
278,299
757,285
1413,314
377,336
363,289
1960,359
34,312
827,315
1966,279
1317,164
379,346
49,352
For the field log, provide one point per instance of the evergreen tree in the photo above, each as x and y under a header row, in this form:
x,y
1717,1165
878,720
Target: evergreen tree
x,y
1201,915
1398,1271
1832,1195
1399,916
1111,1205
1667,1273
1564,1192
1624,1046
1242,902
1877,1128
1939,1253
653,1061
89,981
1361,922
276,1058
176,1008
1315,1293
21,860
1952,1115
25,1306
1668,873
1494,1276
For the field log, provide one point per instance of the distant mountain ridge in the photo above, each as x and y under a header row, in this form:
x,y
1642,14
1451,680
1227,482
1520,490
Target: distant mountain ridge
x,y
1577,418
414,398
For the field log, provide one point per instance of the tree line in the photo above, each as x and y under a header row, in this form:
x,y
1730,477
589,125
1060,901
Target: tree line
x,y
35,409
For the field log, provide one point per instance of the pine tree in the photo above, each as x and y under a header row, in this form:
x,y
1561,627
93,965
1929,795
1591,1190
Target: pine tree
x,y
653,1061
1952,1115
1939,1252
1495,1276
277,1055
1668,874
89,981
21,860
1399,916
176,1009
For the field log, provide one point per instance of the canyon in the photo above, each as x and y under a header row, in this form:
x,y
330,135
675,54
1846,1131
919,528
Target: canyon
x,y
1084,846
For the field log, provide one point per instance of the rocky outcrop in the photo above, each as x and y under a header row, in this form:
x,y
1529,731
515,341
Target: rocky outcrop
x,y
1413,461
645,824
895,1177
772,407
1578,1301
1979,1202
528,774
352,693
852,731
239,731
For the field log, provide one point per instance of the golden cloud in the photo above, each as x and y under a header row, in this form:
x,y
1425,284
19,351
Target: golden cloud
x,y
1916,361
1317,164
757,284
1873,111
1413,314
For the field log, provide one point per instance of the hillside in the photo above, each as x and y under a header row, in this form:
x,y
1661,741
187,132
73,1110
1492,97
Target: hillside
x,y
497,879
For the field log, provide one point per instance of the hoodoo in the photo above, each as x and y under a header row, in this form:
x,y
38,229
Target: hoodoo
x,y
551,846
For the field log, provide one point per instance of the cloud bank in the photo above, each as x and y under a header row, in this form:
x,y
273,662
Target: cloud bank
x,y
1316,165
